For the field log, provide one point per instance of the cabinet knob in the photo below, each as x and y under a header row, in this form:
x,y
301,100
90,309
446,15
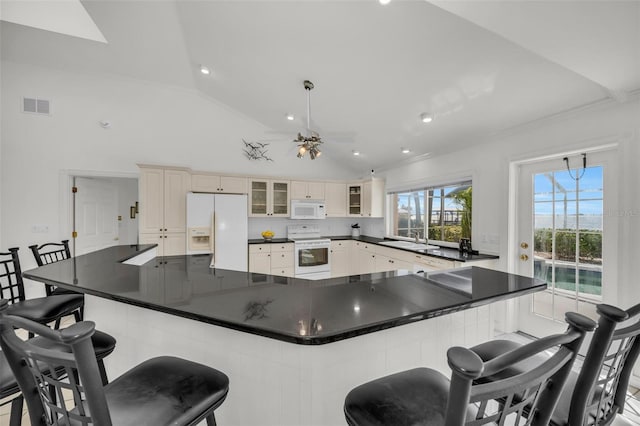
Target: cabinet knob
x,y
160,229
165,229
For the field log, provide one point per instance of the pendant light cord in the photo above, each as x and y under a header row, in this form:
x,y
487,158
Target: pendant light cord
x,y
584,167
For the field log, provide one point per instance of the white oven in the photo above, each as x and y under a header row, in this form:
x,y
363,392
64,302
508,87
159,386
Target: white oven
x,y
312,257
311,252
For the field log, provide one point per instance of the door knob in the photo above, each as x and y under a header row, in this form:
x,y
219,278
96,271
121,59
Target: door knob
x,y
524,245
524,257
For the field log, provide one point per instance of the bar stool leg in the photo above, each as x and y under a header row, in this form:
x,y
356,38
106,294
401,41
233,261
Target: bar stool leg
x,y
15,418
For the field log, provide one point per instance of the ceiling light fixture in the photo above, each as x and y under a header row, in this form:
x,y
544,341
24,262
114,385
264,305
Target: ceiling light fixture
x,y
356,153
384,1
405,150
290,117
426,118
311,142
204,70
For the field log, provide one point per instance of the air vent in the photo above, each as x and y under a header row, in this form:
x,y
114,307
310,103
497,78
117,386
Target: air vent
x,y
36,106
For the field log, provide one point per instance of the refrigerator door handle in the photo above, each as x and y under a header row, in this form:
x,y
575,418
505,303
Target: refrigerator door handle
x,y
212,239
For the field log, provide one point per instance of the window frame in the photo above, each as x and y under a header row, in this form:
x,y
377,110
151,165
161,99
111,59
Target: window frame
x,y
392,210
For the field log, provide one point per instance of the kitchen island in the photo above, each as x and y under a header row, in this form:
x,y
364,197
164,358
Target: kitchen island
x,y
292,348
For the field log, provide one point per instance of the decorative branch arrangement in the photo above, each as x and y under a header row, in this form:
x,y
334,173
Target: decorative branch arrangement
x,y
256,150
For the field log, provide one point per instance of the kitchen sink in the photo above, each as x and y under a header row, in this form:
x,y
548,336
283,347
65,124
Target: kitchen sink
x,y
409,245
456,280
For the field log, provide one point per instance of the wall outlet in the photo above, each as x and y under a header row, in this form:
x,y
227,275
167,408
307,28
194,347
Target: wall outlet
x,y
40,229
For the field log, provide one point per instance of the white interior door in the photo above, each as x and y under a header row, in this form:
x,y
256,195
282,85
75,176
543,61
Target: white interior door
x,y
96,214
565,238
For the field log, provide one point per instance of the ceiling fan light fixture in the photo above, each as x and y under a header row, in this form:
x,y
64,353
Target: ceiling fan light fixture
x,y
205,70
311,141
426,117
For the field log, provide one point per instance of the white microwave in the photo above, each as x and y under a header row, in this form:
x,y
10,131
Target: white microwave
x,y
307,209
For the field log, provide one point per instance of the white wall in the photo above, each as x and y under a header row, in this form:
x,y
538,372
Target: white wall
x,y
127,197
489,166
150,124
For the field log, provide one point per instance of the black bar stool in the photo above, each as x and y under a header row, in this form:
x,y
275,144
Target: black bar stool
x,y
597,393
423,396
42,310
159,391
103,345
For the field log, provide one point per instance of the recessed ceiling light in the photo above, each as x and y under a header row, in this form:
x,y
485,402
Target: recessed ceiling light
x,y
356,153
204,70
406,150
384,1
426,118
290,117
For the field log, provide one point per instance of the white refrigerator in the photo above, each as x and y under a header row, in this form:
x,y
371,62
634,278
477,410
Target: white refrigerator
x,y
218,224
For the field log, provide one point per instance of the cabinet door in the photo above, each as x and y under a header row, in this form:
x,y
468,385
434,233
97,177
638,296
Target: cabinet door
x,y
151,200
299,190
366,199
384,263
260,263
176,185
283,259
153,238
175,243
205,183
315,190
335,199
340,258
258,197
366,260
280,198
233,185
354,200
375,194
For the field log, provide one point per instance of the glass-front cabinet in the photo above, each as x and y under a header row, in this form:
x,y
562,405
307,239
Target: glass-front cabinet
x,y
354,199
269,198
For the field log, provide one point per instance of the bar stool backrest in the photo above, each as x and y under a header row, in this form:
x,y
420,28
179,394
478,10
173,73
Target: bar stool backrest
x,y
75,371
603,381
528,398
50,253
11,284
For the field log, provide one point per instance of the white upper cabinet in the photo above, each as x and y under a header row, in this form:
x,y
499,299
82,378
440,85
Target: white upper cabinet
x,y
307,190
221,184
366,198
335,199
163,199
269,198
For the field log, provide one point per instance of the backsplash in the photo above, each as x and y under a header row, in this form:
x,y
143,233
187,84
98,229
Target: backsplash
x,y
372,227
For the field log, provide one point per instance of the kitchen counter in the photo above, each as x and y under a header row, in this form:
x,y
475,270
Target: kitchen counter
x,y
442,252
289,309
292,348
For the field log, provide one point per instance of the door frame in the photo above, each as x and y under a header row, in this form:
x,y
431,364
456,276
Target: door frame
x,y
65,180
511,315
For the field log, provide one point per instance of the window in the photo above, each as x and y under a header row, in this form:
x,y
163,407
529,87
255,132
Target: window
x,y
444,210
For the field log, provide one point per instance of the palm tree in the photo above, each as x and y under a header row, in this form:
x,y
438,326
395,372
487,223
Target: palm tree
x,y
462,197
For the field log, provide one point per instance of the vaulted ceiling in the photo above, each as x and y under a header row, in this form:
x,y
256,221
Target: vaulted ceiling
x,y
478,67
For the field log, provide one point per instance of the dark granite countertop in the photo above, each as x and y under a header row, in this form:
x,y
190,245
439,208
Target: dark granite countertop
x,y
441,253
289,309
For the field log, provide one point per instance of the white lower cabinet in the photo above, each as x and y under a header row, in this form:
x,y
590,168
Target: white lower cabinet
x,y
282,262
273,259
169,243
341,258
365,258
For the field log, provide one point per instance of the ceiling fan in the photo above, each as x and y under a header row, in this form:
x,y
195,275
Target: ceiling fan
x,y
311,141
